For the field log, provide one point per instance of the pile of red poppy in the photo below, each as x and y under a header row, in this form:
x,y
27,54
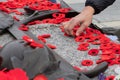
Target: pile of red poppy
x,y
35,44
15,74
10,5
110,51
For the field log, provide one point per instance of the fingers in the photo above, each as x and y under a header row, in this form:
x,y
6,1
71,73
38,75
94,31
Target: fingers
x,y
65,25
68,26
82,28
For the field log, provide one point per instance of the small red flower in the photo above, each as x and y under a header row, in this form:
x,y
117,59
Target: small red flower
x,y
65,34
99,61
42,39
108,57
64,10
34,22
58,15
3,76
96,43
106,52
28,39
45,35
87,62
40,77
24,28
61,79
14,74
14,17
85,44
82,48
17,74
48,21
34,45
110,77
116,50
77,68
0,46
18,13
117,61
79,39
51,46
93,52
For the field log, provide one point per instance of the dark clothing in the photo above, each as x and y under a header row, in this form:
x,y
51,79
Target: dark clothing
x,y
98,5
54,1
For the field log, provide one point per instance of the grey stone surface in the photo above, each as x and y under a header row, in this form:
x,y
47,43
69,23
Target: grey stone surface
x,y
5,38
74,1
78,6
112,24
66,46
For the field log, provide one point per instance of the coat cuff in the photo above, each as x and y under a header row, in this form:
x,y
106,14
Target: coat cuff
x,y
92,4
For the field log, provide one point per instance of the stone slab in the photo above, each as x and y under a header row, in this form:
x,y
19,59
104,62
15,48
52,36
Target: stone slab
x,y
112,24
66,46
78,6
74,1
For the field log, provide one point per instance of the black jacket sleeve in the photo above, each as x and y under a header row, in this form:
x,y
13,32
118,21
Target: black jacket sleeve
x,y
99,5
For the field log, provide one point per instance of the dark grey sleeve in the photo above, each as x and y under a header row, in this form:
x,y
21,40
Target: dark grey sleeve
x,y
99,5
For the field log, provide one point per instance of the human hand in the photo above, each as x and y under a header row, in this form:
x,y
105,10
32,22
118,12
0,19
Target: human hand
x,y
83,19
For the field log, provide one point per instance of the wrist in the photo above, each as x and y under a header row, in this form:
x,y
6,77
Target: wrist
x,y
88,9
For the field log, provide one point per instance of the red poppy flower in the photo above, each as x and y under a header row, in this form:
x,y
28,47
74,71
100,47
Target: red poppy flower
x,y
79,39
17,74
40,77
58,15
85,44
87,62
28,39
14,17
14,74
45,35
64,10
108,57
93,52
24,28
110,77
51,46
61,79
42,39
82,48
34,45
77,68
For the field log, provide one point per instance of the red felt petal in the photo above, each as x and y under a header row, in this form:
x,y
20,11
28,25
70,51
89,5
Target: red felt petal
x,y
40,77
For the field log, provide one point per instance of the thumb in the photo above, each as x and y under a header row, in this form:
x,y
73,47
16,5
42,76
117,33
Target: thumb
x,y
64,23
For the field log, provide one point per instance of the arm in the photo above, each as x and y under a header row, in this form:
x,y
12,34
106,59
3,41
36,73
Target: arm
x,y
99,5
84,19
